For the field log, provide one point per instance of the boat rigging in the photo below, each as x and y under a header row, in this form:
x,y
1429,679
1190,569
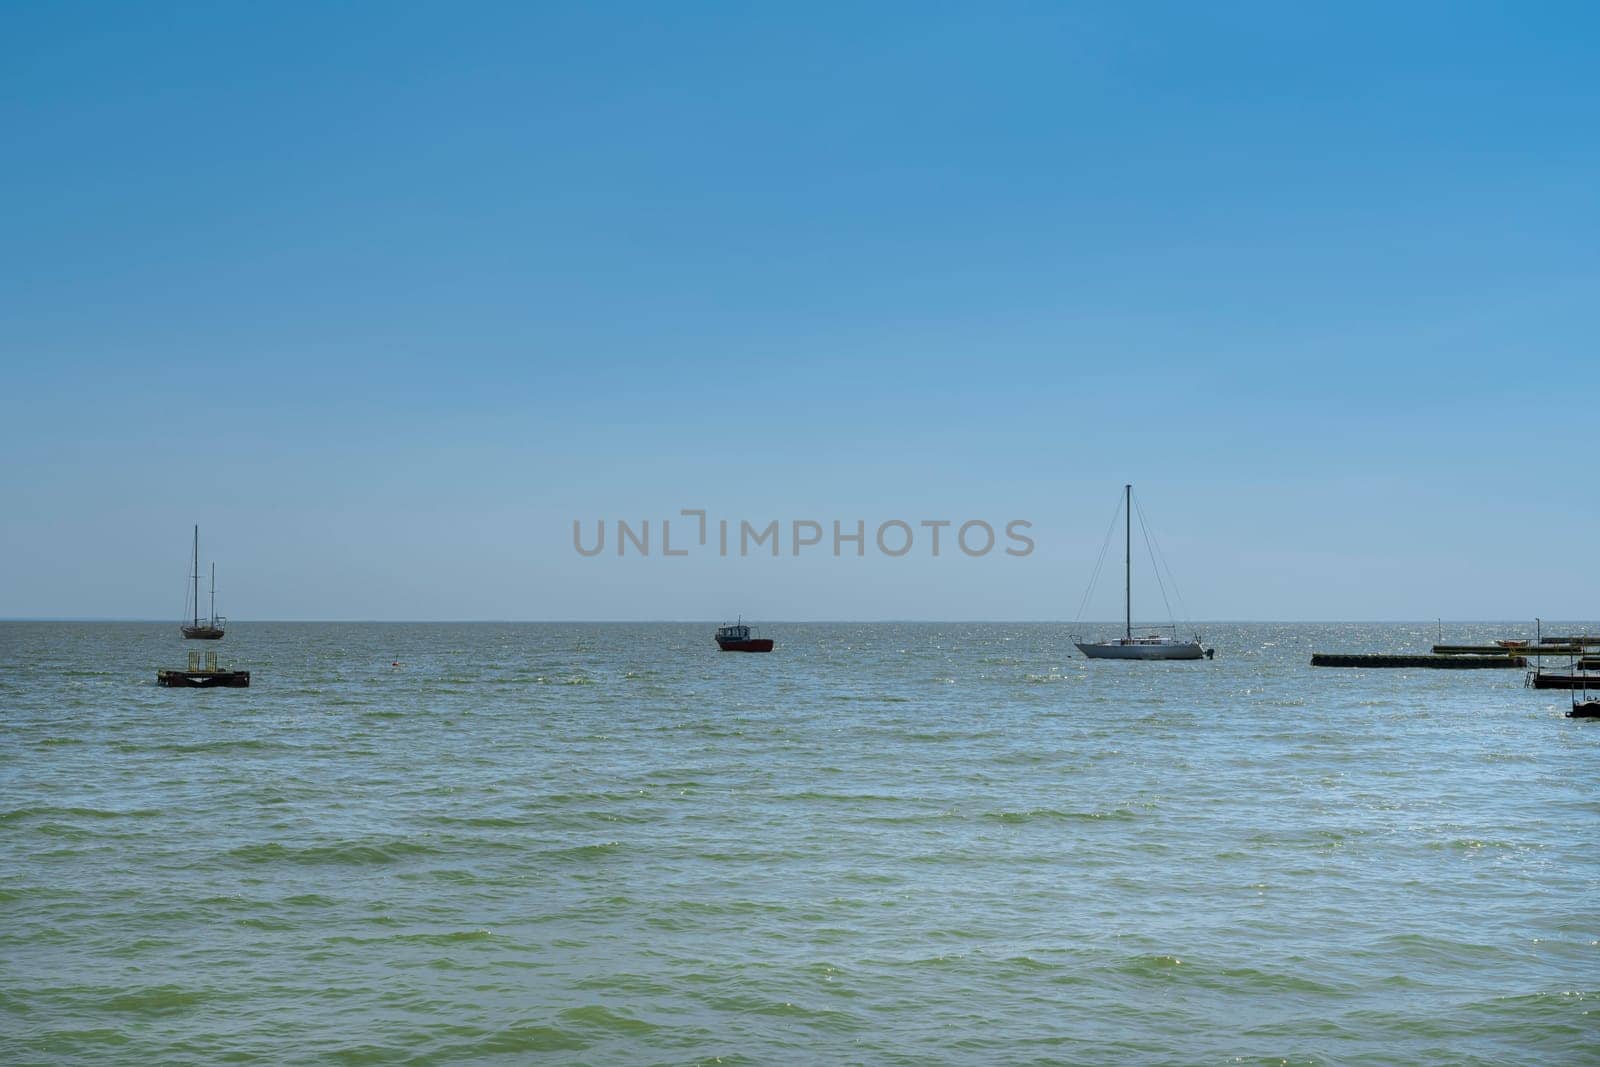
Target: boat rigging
x,y
1148,646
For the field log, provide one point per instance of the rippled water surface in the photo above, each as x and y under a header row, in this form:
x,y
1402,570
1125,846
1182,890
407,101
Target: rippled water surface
x,y
882,843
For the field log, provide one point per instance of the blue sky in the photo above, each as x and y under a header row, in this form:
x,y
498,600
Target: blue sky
x,y
385,296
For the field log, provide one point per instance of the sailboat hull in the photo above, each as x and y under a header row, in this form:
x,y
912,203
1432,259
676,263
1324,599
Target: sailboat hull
x,y
1137,649
202,633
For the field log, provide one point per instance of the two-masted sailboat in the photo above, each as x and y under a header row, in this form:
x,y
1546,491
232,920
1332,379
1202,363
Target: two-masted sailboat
x,y
202,629
1149,646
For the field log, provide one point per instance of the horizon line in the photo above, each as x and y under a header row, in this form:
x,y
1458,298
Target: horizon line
x,y
801,621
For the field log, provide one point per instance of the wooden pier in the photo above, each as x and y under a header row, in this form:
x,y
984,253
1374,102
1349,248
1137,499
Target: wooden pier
x,y
1451,662
1563,681
1502,650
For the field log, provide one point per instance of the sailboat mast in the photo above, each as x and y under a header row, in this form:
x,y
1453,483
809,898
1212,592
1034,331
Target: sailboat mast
x,y
197,574
213,594
1127,560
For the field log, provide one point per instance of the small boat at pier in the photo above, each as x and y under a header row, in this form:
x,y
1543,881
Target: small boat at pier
x,y
737,638
1582,706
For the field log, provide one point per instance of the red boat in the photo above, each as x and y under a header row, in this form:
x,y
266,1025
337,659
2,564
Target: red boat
x,y
736,638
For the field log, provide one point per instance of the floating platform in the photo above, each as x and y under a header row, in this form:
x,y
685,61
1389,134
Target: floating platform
x,y
206,676
1503,650
203,679
1381,659
1542,680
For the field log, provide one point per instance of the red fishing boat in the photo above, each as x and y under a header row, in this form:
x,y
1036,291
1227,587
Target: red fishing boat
x,y
736,638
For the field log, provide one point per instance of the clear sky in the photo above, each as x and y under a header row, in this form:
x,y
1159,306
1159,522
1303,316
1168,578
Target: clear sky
x,y
384,296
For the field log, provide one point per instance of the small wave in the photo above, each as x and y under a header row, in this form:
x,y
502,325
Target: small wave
x,y
517,1040
846,798
155,1000
239,745
45,810
749,1004
1150,965
485,822
1269,982
354,853
447,937
139,946
1028,963
583,852
600,1017
1473,844
1051,814
633,985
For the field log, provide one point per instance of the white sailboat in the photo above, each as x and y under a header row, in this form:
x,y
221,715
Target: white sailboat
x,y
1149,646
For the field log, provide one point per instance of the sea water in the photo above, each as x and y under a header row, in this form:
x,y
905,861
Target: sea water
x,y
884,843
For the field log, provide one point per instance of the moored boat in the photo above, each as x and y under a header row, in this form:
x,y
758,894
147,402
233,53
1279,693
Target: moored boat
x,y
1583,704
737,638
1150,646
198,629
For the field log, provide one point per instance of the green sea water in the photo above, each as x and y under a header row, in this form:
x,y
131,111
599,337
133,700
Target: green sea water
x,y
892,843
